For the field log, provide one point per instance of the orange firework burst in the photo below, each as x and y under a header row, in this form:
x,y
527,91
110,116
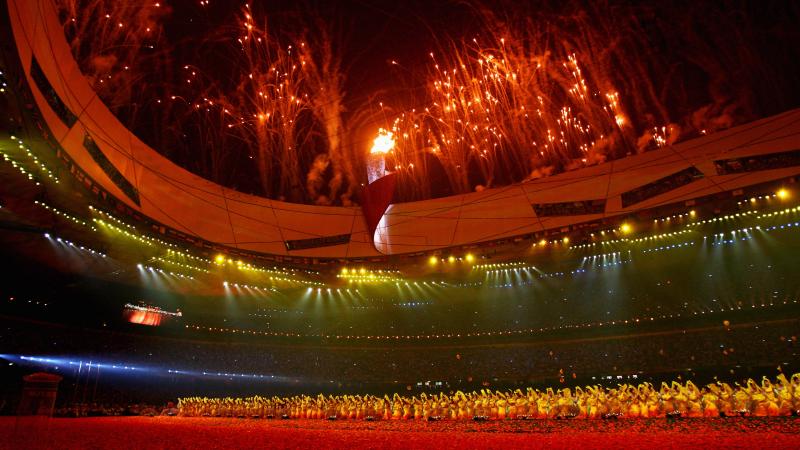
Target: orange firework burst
x,y
505,113
540,93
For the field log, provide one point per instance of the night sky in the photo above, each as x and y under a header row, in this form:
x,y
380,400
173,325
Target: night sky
x,y
369,34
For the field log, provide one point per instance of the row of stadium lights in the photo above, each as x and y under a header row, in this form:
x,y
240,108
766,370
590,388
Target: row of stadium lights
x,y
624,228
172,252
179,264
88,364
780,213
133,235
660,236
142,239
222,260
591,259
529,331
780,194
267,312
78,221
364,271
17,165
668,247
397,283
725,217
719,240
362,275
163,272
434,260
401,305
498,265
29,302
513,264
75,246
372,278
331,290
663,235
690,214
63,214
227,284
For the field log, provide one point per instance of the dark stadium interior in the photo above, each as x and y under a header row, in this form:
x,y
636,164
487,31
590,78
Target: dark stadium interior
x,y
280,223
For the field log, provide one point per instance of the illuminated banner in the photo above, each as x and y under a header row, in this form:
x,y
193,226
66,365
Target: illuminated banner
x,y
147,315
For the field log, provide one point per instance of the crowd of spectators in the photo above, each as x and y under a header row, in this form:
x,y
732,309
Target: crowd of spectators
x,y
660,186
760,162
716,348
111,409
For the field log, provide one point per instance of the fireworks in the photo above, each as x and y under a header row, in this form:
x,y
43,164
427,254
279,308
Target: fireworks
x,y
285,109
535,92
497,115
110,39
506,110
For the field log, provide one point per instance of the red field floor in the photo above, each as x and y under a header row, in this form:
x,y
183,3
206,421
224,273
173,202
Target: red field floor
x,y
215,433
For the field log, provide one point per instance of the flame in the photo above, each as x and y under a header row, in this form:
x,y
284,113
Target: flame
x,y
383,143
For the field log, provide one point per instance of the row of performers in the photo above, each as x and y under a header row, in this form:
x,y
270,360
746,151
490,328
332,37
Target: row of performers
x,y
768,398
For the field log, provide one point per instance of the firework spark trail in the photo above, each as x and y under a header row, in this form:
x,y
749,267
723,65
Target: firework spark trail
x,y
286,109
269,104
111,41
325,79
296,94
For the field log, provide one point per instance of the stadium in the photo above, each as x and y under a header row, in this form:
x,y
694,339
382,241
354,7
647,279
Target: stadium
x,y
610,286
